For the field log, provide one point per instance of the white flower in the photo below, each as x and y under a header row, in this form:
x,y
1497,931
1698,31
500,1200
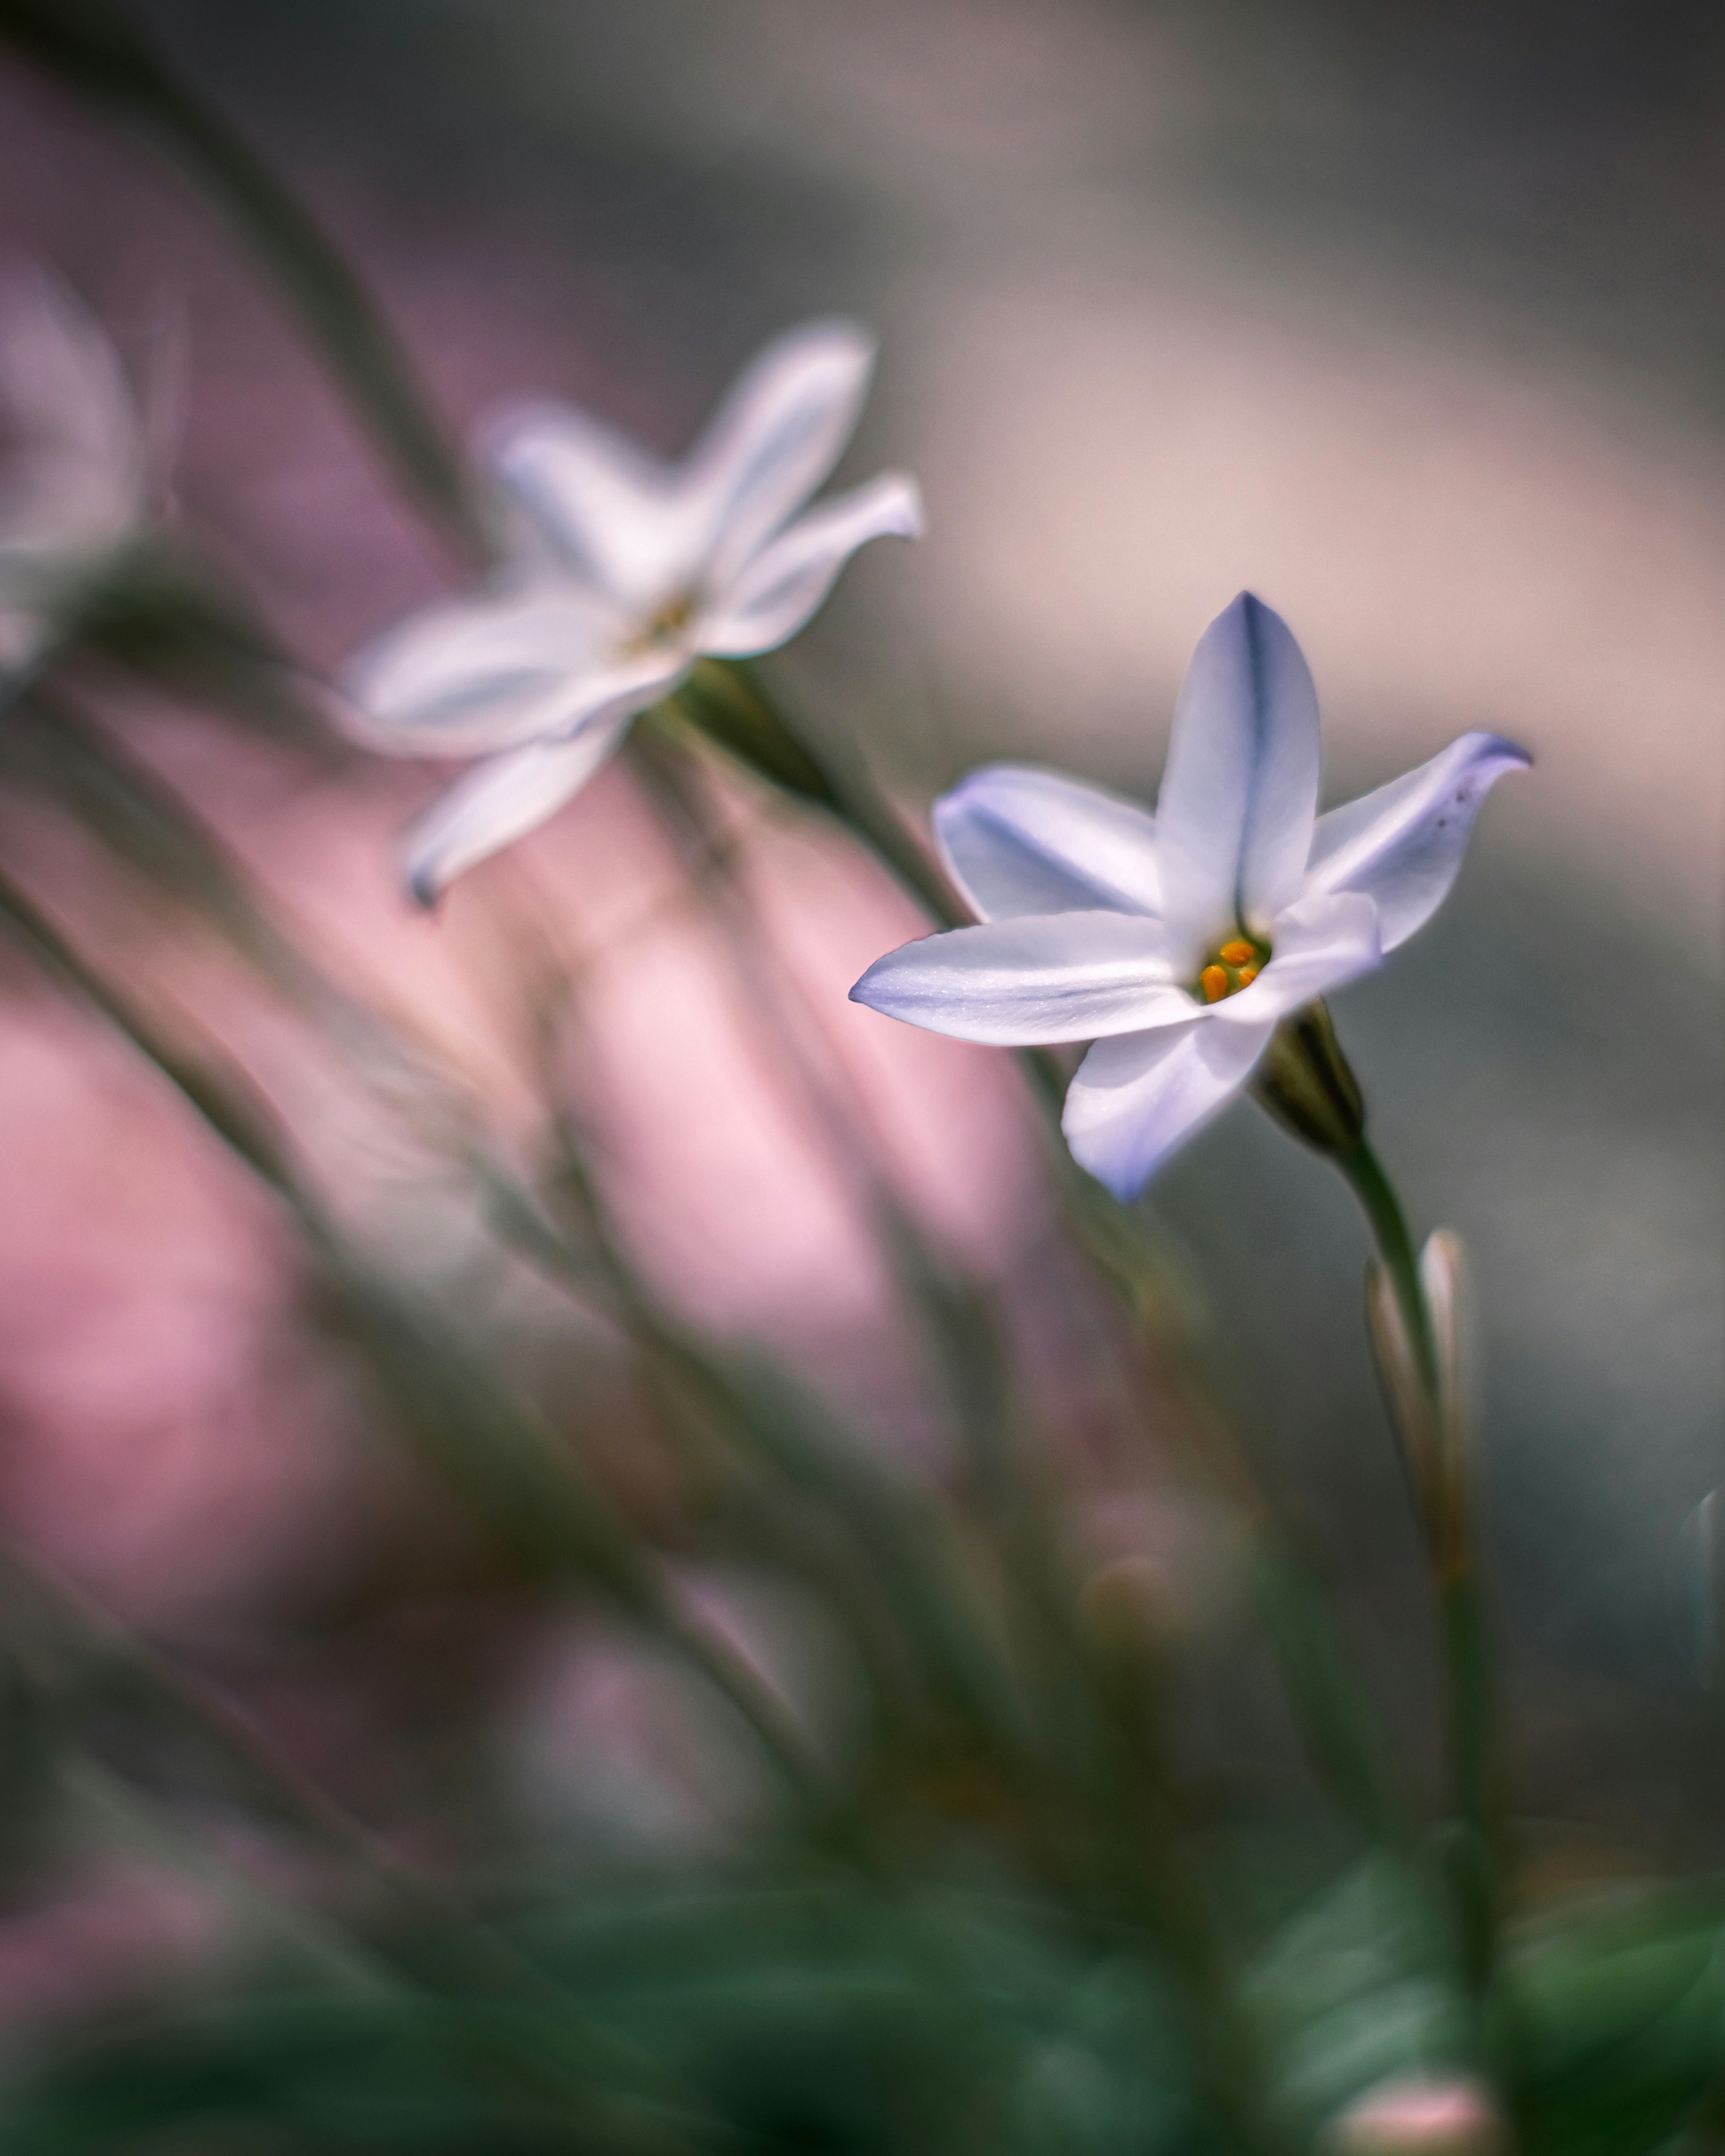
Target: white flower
x,y
74,489
1177,944
627,572
1421,2115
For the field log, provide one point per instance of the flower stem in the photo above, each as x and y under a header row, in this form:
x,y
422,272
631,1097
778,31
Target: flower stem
x,y
727,701
1438,1466
1388,1224
96,48
535,1497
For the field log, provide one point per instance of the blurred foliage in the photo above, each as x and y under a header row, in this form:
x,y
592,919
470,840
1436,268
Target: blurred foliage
x,y
96,48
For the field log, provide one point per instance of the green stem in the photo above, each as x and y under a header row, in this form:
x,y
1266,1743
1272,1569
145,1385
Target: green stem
x,y
1441,1478
536,1497
1382,1209
95,47
727,701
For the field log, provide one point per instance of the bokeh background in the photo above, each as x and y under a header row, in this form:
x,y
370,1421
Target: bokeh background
x,y
1411,318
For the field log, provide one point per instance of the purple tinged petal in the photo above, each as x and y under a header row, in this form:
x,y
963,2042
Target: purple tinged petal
x,y
1019,839
1137,1097
76,480
1042,977
1321,944
614,517
776,438
1233,821
1403,845
499,801
472,676
777,591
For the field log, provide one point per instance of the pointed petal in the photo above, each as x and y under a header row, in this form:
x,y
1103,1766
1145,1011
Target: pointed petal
x,y
76,482
781,588
499,801
1233,821
1055,977
1019,839
1138,1096
477,675
1403,845
1320,944
776,437
614,516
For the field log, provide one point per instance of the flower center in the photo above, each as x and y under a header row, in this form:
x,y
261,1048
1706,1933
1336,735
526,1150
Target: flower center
x,y
673,617
1235,965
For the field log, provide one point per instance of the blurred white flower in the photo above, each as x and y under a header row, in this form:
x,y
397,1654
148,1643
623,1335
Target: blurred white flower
x,y
626,571
75,488
1421,2115
1176,943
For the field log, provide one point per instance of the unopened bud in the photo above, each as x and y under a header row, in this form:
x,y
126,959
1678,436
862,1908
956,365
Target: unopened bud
x,y
1305,1083
1421,2115
1411,1405
1444,1281
1428,1385
1697,1580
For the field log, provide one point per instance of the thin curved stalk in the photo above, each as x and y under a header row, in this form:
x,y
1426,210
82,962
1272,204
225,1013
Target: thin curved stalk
x,y
535,1498
1422,1387
95,47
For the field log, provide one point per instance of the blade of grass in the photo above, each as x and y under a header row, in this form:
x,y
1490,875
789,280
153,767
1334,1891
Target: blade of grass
x,y
96,48
532,1495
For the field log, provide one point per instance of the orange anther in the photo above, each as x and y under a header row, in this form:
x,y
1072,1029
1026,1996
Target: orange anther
x,y
1238,953
1247,974
1215,983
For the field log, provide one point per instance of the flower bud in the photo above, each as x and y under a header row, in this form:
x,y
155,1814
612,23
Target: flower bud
x,y
1421,2115
1305,1082
1698,1600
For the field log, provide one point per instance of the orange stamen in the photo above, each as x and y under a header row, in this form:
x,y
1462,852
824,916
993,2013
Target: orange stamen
x,y
1247,974
1215,983
1238,952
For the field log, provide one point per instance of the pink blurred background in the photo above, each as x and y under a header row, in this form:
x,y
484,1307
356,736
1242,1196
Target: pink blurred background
x,y
1411,324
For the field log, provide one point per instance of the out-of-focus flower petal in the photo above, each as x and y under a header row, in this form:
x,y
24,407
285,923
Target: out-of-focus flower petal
x,y
501,800
615,518
76,482
777,591
775,437
1403,845
477,675
1137,1097
1042,977
1421,2115
1234,821
1017,839
1320,944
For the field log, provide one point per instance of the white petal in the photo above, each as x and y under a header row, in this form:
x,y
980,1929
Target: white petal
x,y
1138,1096
613,516
76,482
777,591
1233,821
1320,943
1017,839
478,675
776,437
1055,977
499,801
1403,845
